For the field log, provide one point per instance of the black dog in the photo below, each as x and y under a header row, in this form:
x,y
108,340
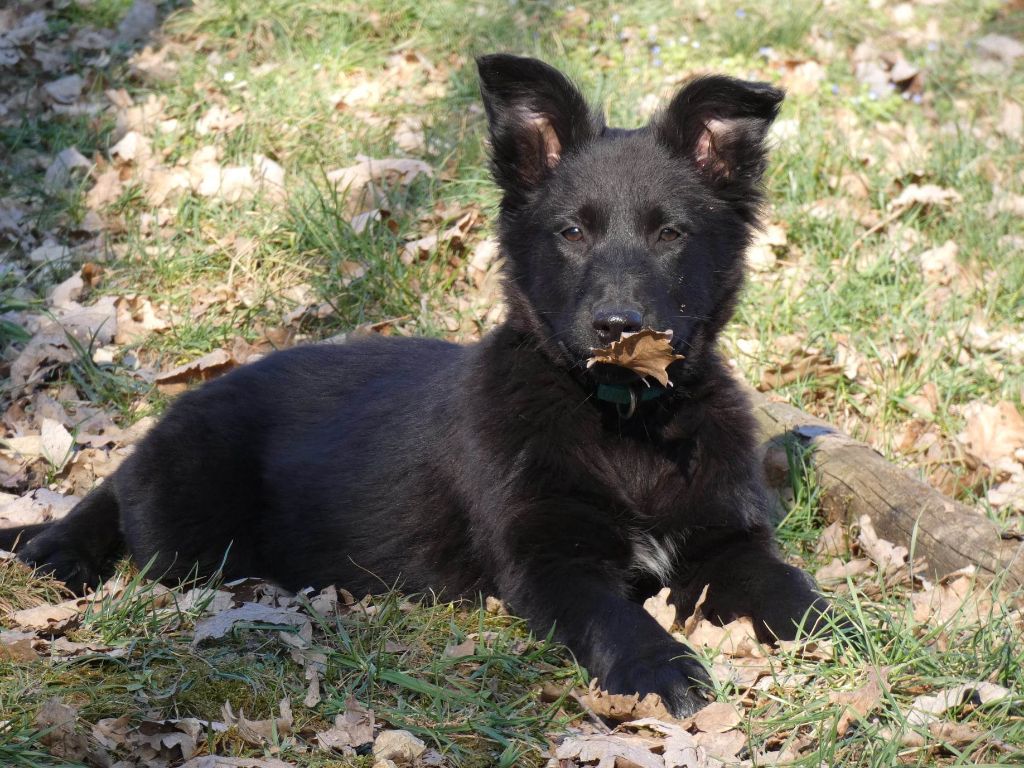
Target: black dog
x,y
502,467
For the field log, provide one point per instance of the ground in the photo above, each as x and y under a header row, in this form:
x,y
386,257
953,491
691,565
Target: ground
x,y
183,187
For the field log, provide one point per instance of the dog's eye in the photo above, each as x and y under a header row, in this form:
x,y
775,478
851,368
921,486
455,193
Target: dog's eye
x,y
667,235
573,234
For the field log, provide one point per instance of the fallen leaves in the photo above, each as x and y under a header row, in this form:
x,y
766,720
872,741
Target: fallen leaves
x,y
352,729
647,352
204,368
221,623
367,184
260,732
620,706
859,702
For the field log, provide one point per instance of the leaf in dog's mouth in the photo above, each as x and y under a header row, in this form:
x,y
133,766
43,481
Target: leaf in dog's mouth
x,y
647,352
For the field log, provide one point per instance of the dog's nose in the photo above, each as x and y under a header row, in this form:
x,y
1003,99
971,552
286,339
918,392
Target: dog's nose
x,y
610,324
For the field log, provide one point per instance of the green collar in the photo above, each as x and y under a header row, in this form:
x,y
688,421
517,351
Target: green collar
x,y
628,395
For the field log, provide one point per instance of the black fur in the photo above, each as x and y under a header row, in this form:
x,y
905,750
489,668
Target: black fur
x,y
493,468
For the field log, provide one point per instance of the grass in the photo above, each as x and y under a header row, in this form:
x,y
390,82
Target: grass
x,y
218,271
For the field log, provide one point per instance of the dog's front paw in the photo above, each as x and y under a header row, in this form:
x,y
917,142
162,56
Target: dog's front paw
x,y
53,555
670,670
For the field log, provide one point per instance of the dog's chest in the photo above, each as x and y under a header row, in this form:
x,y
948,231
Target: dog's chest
x,y
654,554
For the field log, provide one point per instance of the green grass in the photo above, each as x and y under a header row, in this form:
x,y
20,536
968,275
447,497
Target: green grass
x,y
285,65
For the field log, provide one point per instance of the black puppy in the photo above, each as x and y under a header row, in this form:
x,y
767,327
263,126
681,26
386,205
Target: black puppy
x,y
504,467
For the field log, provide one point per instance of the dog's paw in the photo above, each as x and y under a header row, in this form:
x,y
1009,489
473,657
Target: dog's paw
x,y
54,556
670,670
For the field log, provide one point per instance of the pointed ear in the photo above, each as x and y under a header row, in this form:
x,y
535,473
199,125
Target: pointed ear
x,y
720,124
535,116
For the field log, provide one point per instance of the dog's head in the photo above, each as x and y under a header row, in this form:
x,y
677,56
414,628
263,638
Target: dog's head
x,y
607,231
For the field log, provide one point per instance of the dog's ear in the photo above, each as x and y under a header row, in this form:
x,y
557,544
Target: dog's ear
x,y
720,124
535,116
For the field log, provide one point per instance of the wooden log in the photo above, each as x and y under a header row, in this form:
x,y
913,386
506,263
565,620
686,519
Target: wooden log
x,y
854,480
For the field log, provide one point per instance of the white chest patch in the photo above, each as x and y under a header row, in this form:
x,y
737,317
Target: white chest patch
x,y
653,555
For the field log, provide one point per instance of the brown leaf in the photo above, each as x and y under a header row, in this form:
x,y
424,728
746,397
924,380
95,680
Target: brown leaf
x,y
737,638
926,709
216,761
717,717
695,617
260,732
611,750
833,541
993,432
61,739
352,728
465,648
647,352
860,701
366,182
926,195
886,555
622,707
136,319
17,646
400,746
207,367
220,624
954,596
661,609
837,571
724,746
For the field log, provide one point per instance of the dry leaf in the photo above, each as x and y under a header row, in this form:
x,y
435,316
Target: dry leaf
x,y
465,648
926,709
717,717
926,195
1001,47
860,701
140,20
886,555
661,609
939,265
610,750
993,432
695,617
647,352
838,571
136,319
220,624
366,182
400,746
623,707
207,367
737,638
65,90
352,728
216,761
260,732
954,596
722,746
833,541
1011,120
59,174
61,739
17,646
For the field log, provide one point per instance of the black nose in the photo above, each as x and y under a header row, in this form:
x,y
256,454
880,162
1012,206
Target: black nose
x,y
610,324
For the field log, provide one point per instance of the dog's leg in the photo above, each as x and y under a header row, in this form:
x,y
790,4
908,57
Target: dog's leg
x,y
77,548
567,573
746,576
